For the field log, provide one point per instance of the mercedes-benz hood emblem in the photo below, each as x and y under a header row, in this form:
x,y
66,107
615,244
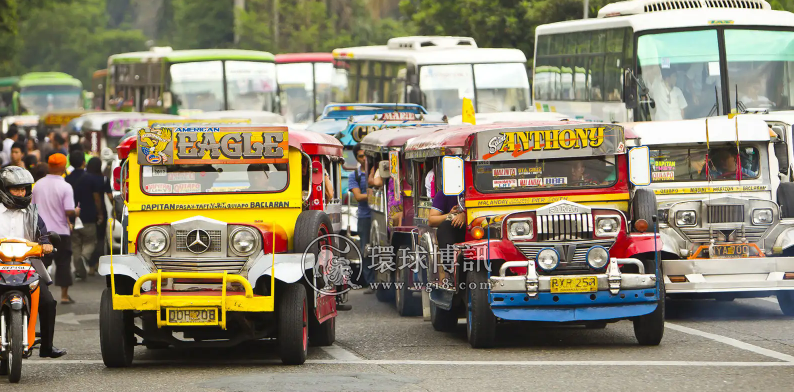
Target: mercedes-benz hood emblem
x,y
198,241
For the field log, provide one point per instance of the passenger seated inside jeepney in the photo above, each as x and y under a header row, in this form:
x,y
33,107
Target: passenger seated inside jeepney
x,y
724,163
259,177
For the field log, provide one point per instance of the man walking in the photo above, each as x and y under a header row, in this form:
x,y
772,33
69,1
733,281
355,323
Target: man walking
x,y
17,154
12,136
55,200
357,183
88,195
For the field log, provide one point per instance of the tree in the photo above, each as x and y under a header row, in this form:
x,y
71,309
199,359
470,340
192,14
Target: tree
x,y
203,24
8,34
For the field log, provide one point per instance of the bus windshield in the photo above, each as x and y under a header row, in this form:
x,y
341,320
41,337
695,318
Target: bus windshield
x,y
42,99
250,85
682,72
500,87
217,178
549,174
296,82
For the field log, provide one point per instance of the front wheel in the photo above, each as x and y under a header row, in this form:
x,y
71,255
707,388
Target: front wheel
x,y
293,325
407,305
649,329
786,301
13,362
116,337
480,321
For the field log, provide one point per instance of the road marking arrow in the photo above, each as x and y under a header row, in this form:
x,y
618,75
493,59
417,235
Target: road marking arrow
x,y
71,318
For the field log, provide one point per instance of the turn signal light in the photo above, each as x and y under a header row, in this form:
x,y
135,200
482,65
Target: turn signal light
x,y
678,278
788,275
641,225
477,232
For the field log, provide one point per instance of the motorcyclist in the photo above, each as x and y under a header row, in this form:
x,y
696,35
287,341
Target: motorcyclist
x,y
20,219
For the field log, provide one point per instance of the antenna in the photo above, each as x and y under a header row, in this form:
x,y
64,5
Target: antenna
x,y
738,154
708,148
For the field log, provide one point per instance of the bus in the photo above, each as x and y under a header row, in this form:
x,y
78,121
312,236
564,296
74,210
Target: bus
x,y
437,73
41,92
186,82
7,87
646,60
98,84
306,83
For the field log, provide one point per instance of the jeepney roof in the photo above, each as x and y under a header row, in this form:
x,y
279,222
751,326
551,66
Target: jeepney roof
x,y
382,140
506,117
721,129
344,111
56,117
95,121
181,56
289,58
257,116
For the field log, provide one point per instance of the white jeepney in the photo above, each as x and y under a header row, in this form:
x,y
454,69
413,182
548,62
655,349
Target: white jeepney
x,y
723,230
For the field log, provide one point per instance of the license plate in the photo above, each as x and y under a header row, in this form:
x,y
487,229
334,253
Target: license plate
x,y
585,284
194,316
731,251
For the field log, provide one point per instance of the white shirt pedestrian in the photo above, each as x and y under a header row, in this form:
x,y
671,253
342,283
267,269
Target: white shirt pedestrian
x,y
12,223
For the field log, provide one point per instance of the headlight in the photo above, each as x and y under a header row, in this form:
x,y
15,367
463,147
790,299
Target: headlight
x,y
685,218
607,226
762,216
597,257
547,259
521,229
14,249
244,241
155,241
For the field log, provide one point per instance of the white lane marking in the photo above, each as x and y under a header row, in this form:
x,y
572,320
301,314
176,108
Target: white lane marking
x,y
732,342
429,362
339,353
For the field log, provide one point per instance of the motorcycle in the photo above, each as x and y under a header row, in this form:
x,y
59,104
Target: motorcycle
x,y
21,272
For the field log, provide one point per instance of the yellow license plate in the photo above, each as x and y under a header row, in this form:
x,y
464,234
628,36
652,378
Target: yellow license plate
x,y
585,284
731,251
192,316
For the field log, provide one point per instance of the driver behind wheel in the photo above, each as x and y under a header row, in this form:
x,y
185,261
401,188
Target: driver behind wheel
x,y
724,161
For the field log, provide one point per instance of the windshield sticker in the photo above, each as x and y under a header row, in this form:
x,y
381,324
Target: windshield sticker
x,y
711,189
158,188
158,171
507,172
526,171
664,165
527,182
504,184
540,142
187,188
202,145
663,176
190,176
553,181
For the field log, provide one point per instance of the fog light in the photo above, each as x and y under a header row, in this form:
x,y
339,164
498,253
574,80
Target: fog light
x,y
597,257
547,259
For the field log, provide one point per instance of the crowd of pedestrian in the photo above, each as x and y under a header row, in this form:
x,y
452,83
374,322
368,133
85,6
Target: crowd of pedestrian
x,y
70,192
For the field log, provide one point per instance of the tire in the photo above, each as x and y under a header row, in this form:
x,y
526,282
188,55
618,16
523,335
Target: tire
x,y
786,301
15,349
480,321
311,225
785,198
649,329
386,294
407,305
643,206
443,320
293,325
116,337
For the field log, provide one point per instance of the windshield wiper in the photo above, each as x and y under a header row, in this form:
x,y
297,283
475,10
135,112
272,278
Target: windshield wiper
x,y
716,108
740,108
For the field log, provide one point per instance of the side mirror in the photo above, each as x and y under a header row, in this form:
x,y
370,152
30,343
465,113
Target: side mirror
x,y
383,170
781,152
639,166
55,239
452,175
317,173
629,89
117,179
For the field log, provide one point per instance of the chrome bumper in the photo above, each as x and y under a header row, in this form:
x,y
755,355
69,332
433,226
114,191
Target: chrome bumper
x,y
532,284
729,275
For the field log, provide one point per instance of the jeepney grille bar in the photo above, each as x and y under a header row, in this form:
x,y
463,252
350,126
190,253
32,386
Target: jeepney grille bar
x,y
171,264
215,240
565,227
752,234
726,214
577,262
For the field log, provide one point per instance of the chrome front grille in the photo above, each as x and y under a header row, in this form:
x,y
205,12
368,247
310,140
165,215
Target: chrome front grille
x,y
215,240
698,235
577,262
568,227
726,214
171,264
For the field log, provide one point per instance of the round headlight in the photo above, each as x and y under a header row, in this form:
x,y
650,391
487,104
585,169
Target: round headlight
x,y
762,216
597,257
155,242
685,218
244,241
520,229
607,226
547,259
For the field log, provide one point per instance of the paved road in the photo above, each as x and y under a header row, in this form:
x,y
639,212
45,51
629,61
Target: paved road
x,y
708,346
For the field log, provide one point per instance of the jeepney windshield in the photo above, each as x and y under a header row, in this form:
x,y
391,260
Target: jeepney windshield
x,y
544,175
501,87
215,178
250,85
678,164
42,99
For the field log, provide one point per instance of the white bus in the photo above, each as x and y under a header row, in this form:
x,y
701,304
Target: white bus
x,y
437,73
645,60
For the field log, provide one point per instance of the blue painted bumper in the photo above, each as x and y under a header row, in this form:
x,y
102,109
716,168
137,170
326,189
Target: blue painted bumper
x,y
601,305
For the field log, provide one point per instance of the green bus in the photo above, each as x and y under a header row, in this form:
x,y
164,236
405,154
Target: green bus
x,y
186,82
7,87
41,92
